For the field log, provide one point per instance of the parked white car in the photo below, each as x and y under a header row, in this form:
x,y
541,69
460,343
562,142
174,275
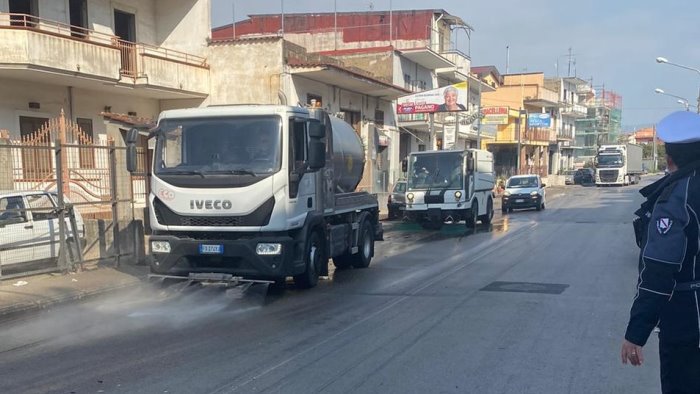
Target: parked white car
x,y
29,230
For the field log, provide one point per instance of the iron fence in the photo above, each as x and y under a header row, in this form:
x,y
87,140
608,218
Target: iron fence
x,y
65,201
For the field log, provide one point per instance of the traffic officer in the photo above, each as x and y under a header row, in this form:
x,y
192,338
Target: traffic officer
x,y
667,230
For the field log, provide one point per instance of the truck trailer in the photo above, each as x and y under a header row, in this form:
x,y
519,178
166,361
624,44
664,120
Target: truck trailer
x,y
618,165
257,193
450,185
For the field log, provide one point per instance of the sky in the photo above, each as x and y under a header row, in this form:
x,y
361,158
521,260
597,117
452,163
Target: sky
x,y
615,43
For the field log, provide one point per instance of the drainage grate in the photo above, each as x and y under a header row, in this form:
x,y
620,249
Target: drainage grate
x,y
526,287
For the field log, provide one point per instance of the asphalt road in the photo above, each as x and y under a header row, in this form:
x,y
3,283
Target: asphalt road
x,y
435,312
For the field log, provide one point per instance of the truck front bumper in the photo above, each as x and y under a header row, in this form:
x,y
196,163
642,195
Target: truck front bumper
x,y
233,256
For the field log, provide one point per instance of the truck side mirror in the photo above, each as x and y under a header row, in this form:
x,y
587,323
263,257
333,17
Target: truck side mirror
x,y
132,136
316,129
404,165
317,155
131,158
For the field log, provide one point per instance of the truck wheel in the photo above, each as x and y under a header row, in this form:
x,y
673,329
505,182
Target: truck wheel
x,y
486,219
473,215
313,260
365,250
365,247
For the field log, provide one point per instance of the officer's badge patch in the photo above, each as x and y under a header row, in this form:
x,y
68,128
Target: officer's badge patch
x,y
663,225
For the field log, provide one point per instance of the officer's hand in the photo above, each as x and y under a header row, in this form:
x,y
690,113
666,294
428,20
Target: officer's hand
x,y
632,353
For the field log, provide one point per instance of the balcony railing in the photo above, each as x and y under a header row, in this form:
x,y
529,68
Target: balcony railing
x,y
574,110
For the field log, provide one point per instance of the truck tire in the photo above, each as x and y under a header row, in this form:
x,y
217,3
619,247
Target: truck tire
x,y
365,249
486,219
473,216
313,261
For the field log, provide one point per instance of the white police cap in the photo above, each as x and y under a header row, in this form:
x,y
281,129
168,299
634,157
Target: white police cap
x,y
680,127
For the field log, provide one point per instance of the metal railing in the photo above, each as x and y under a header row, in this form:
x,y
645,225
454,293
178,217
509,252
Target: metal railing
x,y
129,50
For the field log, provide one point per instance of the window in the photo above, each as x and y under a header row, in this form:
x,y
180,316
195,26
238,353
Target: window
x,y
24,12
298,154
379,118
42,207
12,210
78,18
314,100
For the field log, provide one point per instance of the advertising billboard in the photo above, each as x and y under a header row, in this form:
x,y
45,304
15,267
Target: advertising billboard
x,y
539,120
494,115
450,98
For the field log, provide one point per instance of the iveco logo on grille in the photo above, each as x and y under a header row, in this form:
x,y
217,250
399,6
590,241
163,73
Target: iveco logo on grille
x,y
210,204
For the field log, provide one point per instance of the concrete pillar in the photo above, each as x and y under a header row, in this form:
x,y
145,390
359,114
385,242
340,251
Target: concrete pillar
x,y
6,179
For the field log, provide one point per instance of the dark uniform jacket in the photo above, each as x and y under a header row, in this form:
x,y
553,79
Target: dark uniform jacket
x,y
668,237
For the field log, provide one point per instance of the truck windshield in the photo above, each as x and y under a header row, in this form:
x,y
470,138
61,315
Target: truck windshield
x,y
610,161
439,170
245,146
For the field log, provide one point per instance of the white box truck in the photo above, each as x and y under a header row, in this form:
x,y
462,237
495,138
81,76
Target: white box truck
x,y
257,193
450,185
618,165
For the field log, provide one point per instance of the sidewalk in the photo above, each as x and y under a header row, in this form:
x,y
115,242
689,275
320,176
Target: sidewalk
x,y
43,291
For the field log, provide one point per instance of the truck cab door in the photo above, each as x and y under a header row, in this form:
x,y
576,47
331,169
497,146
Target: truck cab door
x,y
469,174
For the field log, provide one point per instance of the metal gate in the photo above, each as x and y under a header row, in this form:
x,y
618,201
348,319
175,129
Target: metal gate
x,y
86,200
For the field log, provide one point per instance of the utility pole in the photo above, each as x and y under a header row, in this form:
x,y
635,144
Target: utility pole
x,y
655,154
508,61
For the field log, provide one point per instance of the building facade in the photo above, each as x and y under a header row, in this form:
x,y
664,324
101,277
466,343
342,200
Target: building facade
x,y
522,145
409,50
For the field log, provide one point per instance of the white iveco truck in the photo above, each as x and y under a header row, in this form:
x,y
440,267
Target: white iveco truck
x,y
257,193
450,185
618,165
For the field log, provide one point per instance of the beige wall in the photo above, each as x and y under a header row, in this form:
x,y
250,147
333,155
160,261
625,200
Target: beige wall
x,y
526,79
15,96
245,72
184,25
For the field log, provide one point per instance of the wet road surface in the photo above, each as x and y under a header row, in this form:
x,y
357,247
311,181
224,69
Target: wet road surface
x,y
535,303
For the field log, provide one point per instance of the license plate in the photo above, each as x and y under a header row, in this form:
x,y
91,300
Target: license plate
x,y
211,249
519,200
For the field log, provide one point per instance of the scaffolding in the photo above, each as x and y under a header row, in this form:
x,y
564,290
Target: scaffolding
x,y
602,125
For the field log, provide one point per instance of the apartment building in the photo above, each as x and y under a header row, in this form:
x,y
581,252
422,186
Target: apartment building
x,y
574,93
402,51
521,144
91,58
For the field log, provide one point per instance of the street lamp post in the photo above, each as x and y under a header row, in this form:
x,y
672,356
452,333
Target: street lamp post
x,y
681,100
663,60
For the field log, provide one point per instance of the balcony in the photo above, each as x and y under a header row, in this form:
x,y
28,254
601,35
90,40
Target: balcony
x,y
36,49
460,71
540,97
574,110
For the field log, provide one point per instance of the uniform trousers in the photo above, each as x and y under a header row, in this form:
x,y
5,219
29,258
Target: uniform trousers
x,y
680,368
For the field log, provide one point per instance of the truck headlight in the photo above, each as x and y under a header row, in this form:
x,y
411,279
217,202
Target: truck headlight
x,y
458,195
268,249
534,194
160,247
410,196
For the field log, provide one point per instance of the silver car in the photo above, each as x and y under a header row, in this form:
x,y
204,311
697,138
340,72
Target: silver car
x,y
397,200
524,191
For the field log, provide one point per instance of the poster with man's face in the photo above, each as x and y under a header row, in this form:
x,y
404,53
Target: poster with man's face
x,y
450,98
